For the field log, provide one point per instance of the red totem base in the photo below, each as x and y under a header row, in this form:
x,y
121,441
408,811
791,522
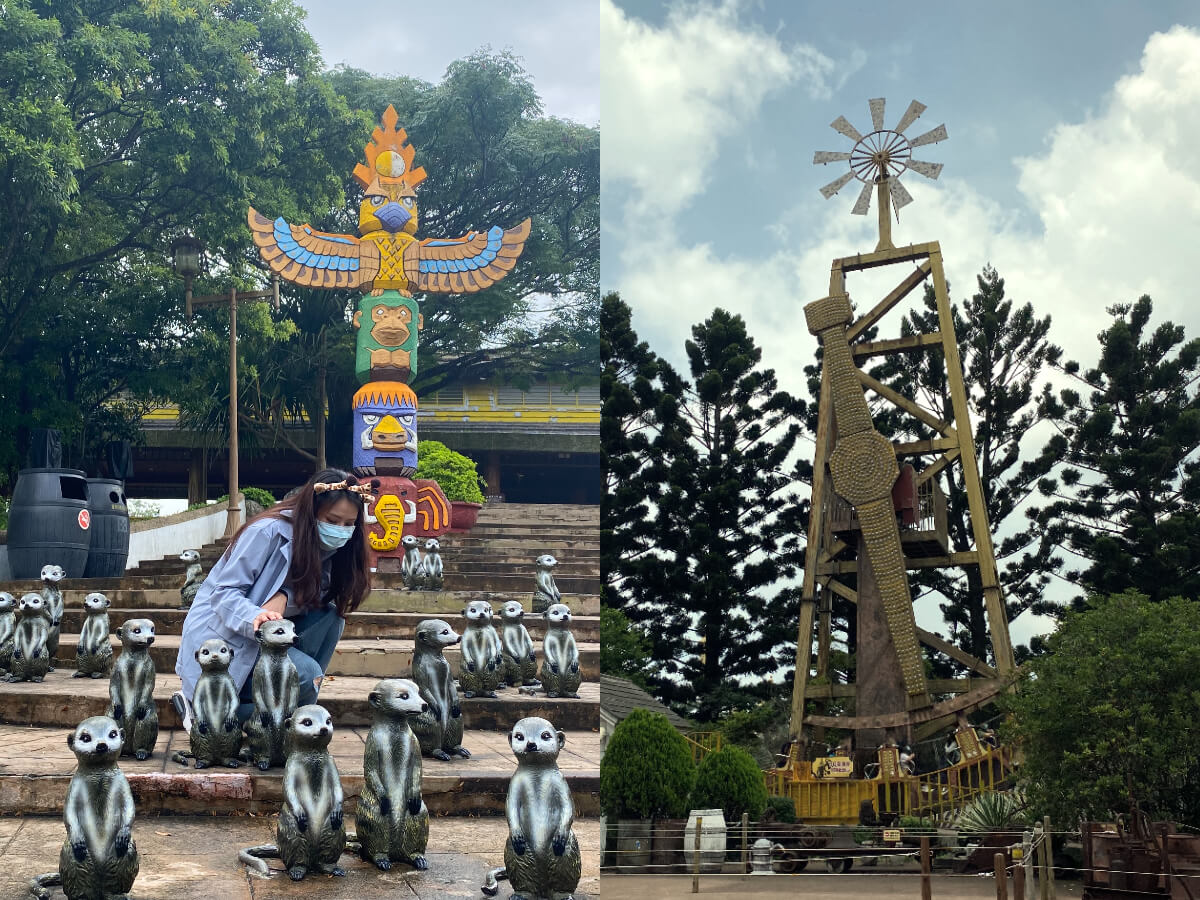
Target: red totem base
x,y
402,507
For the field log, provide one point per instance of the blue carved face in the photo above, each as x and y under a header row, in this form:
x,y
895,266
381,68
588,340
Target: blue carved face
x,y
389,431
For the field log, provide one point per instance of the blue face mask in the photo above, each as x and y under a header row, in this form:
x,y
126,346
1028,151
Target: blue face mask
x,y
333,536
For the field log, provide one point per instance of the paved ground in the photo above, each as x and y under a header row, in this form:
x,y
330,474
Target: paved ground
x,y
185,858
813,886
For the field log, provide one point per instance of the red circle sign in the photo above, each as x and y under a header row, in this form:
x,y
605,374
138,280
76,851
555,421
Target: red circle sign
x,y
85,519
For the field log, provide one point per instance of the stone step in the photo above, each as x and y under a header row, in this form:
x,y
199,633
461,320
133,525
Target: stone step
x,y
367,657
380,581
64,701
37,768
479,565
358,624
432,604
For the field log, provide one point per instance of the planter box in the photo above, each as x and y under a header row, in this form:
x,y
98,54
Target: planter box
x,y
666,856
463,515
633,845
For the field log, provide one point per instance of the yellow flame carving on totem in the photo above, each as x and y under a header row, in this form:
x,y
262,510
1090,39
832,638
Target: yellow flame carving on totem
x,y
390,513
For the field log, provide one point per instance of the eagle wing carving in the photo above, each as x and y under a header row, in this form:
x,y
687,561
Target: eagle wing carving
x,y
312,258
465,264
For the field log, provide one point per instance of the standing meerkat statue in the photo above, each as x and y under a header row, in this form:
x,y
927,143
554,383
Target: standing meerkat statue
x,y
51,576
276,689
131,689
99,860
431,566
440,729
8,625
30,658
216,735
93,653
541,855
392,821
310,834
520,662
481,667
560,656
411,571
192,579
545,591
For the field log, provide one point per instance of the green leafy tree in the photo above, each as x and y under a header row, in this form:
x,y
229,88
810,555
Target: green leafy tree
x,y
1126,502
1106,717
646,771
729,779
624,651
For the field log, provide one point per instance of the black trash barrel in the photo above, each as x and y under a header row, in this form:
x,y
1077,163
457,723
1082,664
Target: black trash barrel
x,y
110,529
49,523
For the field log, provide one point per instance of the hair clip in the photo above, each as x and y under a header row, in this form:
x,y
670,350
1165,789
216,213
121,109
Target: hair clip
x,y
363,490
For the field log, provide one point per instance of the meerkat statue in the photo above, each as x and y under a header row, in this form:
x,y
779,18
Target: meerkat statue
x,y
411,571
276,687
541,855
440,729
216,735
545,591
30,658
310,834
192,579
51,576
8,625
131,689
99,860
93,653
481,668
392,821
520,662
560,656
431,566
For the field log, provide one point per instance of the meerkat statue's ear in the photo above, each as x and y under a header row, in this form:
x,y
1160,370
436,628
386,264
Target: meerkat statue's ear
x,y
71,740
562,739
287,723
231,654
121,735
197,655
374,700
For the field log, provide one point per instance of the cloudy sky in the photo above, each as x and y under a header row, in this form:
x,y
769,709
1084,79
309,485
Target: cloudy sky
x,y
556,38
1073,164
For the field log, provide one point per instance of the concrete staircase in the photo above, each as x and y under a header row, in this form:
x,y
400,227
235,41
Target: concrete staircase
x,y
493,562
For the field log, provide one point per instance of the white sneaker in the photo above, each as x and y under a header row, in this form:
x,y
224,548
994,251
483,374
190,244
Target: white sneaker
x,y
183,709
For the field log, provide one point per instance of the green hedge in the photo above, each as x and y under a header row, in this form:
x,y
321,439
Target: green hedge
x,y
454,473
731,780
646,771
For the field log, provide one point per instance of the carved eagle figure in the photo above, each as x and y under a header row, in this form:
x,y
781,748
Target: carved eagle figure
x,y
387,255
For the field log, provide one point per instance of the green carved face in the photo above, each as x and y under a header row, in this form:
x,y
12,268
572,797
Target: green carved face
x,y
387,336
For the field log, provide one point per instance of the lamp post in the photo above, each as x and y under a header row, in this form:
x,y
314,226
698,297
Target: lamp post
x,y
187,256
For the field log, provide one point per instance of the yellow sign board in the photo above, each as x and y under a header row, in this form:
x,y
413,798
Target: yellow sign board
x,y
833,767
891,835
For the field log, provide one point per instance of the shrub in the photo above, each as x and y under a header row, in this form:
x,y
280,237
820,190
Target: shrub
x,y
262,497
731,780
454,473
782,809
646,771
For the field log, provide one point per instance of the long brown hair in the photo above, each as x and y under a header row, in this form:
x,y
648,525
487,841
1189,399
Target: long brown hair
x,y
350,574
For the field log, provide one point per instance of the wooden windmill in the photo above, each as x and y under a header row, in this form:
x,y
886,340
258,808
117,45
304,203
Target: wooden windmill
x,y
877,510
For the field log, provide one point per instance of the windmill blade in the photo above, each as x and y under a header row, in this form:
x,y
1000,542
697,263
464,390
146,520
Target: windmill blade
x,y
834,186
928,169
910,115
828,156
930,137
900,196
864,201
842,126
877,113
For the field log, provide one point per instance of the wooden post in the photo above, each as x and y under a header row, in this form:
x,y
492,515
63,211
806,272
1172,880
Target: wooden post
x,y
745,843
233,517
1001,877
696,858
1018,882
926,867
1048,892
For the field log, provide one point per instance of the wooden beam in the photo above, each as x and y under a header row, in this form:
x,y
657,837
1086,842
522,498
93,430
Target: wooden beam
x,y
965,701
833,550
936,686
919,448
910,407
864,349
956,653
861,261
937,465
850,566
898,293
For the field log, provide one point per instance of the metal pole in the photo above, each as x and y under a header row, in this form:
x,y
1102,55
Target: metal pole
x,y
745,843
1048,892
696,858
232,512
926,867
1001,877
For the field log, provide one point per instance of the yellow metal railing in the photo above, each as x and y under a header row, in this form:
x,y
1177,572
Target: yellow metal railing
x,y
835,801
702,743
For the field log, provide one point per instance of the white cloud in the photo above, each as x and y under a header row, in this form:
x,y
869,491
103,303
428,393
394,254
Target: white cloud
x,y
671,94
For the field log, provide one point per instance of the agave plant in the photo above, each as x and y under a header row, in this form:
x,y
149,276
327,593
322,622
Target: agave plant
x,y
993,811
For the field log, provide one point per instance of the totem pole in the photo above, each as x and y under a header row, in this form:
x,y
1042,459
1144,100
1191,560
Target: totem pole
x,y
387,262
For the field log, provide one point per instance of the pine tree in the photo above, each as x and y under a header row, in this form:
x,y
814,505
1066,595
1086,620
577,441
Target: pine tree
x,y
1126,502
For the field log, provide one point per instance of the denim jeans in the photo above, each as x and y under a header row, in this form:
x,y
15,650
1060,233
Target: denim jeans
x,y
317,634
